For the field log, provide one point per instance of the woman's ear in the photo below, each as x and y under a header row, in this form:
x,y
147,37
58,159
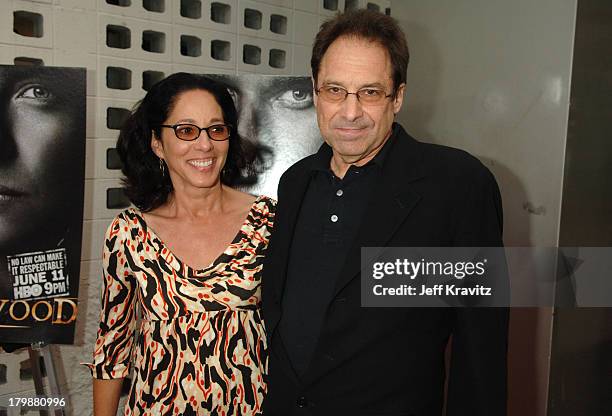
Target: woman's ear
x,y
157,146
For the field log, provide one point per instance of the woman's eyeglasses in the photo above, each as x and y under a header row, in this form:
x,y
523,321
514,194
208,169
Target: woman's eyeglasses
x,y
190,132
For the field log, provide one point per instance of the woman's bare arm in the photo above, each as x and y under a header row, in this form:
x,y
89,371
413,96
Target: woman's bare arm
x,y
106,394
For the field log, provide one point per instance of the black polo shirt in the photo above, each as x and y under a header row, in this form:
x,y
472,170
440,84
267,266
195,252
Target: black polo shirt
x,y
330,215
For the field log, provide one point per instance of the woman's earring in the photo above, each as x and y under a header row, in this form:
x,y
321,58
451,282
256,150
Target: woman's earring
x,y
162,168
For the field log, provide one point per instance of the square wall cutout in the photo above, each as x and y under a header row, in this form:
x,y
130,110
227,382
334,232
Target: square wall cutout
x,y
278,24
118,78
156,6
122,3
2,374
25,61
191,9
220,50
113,161
25,369
153,41
28,24
115,117
191,46
118,37
251,55
116,199
252,19
374,7
330,5
351,4
150,78
221,13
277,58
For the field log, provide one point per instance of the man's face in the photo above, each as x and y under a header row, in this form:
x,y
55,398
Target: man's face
x,y
37,126
355,131
277,114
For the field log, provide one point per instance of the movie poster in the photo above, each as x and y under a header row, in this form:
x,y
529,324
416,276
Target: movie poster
x,y
277,115
42,168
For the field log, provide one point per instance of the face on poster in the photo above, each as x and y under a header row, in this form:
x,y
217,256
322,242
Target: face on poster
x,y
277,115
42,146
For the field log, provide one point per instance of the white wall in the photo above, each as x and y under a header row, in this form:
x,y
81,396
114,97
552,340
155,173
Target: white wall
x,y
492,77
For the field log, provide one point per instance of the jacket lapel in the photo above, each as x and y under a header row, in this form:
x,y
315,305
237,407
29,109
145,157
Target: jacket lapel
x,y
390,203
287,213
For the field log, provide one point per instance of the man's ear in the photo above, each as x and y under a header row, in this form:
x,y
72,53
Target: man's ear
x,y
399,98
157,146
314,93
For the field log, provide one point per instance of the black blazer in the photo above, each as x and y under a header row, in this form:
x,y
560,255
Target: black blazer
x,y
390,361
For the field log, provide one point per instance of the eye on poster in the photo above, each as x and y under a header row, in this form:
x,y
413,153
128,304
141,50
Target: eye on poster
x,y
42,169
276,114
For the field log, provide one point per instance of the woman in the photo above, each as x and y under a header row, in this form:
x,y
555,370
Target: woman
x,y
189,258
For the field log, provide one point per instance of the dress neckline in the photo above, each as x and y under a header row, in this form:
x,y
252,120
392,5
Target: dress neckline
x,y
162,245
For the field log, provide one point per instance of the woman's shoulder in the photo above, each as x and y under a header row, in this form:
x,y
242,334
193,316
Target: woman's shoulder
x,y
126,221
266,201
128,215
261,214
260,204
265,205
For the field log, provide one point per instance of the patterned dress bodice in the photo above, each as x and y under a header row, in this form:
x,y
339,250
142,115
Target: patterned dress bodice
x,y
200,347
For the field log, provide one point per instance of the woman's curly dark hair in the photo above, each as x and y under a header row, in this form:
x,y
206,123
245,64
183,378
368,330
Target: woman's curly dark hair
x,y
144,183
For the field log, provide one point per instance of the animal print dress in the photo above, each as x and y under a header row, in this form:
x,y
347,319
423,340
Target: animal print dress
x,y
200,348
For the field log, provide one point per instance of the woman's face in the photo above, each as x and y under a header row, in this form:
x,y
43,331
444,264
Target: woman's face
x,y
192,165
39,124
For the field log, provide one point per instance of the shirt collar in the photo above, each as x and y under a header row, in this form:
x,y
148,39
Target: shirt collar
x,y
324,154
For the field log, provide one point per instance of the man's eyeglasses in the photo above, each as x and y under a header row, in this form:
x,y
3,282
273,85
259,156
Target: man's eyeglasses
x,y
190,132
334,94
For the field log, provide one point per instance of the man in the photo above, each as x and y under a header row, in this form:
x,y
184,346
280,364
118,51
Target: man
x,y
276,114
371,185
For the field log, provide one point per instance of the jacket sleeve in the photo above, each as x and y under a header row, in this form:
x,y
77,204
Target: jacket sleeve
x,y
478,371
